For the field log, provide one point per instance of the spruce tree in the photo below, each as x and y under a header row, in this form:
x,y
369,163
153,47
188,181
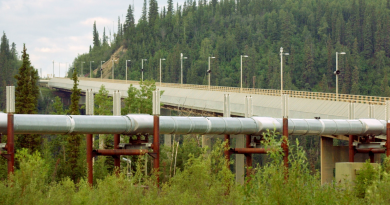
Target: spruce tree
x,y
26,99
95,34
73,141
129,22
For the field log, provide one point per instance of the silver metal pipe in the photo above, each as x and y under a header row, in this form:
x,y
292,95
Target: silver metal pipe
x,y
143,124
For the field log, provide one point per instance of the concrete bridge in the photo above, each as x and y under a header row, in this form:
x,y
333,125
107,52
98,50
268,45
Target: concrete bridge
x,y
203,101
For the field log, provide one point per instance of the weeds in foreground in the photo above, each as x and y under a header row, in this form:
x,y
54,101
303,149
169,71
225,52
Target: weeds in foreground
x,y
205,179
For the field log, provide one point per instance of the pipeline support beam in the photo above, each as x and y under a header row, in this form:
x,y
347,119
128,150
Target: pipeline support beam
x,y
10,143
89,159
156,145
227,151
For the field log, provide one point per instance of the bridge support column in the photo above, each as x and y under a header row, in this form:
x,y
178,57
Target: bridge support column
x,y
327,160
240,165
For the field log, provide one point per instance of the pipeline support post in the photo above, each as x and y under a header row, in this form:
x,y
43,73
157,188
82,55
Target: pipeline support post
x,y
388,139
284,144
117,162
89,159
10,143
156,145
227,151
248,157
351,149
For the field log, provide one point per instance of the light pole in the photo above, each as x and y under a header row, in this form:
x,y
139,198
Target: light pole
x,y
113,68
337,72
142,69
161,59
245,56
126,69
181,65
281,69
82,68
101,70
90,69
209,71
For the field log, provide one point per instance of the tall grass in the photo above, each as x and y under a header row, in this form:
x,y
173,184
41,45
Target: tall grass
x,y
205,179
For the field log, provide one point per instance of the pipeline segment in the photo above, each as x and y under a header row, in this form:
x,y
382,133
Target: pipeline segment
x,y
143,124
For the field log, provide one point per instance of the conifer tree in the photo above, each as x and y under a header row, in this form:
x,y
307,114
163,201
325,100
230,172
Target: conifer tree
x,y
26,99
73,141
170,7
355,89
144,11
129,22
95,34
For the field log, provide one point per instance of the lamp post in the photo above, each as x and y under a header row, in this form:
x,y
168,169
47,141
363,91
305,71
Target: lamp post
x,y
245,56
181,65
112,71
161,59
126,69
209,71
90,69
281,69
142,70
337,72
82,68
101,70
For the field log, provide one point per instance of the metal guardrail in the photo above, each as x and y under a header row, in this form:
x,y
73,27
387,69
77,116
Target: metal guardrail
x,y
373,100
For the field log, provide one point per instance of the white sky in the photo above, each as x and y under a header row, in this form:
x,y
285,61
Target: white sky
x,y
59,30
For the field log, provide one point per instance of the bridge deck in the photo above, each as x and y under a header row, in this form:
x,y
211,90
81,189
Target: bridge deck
x,y
265,102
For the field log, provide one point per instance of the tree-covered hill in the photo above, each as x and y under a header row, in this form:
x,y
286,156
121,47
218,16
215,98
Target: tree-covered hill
x,y
312,31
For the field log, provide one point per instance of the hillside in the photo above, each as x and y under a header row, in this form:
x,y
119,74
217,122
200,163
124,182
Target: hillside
x,y
311,31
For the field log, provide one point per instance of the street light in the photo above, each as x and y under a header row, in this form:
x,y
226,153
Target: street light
x,y
101,70
142,70
82,68
181,64
126,69
161,59
113,68
90,69
245,56
281,69
337,72
209,71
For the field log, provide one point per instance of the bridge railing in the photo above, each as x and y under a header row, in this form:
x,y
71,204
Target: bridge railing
x,y
375,100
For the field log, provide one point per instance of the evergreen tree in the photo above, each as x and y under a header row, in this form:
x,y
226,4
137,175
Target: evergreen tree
x,y
355,90
170,8
26,99
129,23
144,12
324,84
153,12
105,43
95,34
74,140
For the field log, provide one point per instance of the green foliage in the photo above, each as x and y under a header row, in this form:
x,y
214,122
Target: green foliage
x,y
26,99
140,100
367,175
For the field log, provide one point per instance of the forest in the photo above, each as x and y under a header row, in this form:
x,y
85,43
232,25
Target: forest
x,y
311,31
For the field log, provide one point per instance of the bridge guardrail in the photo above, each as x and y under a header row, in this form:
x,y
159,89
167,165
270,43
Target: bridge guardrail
x,y
374,100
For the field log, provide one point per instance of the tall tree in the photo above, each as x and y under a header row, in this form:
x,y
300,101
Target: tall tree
x,y
129,22
26,97
144,11
95,34
74,140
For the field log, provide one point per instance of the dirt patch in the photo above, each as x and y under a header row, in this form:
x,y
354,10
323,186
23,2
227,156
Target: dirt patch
x,y
107,66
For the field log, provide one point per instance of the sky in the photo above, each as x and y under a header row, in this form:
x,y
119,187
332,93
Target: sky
x,y
59,30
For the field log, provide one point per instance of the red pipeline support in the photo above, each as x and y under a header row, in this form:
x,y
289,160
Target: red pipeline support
x,y
113,152
388,139
351,149
10,143
372,158
156,144
284,143
247,151
227,151
248,156
370,150
89,159
117,162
